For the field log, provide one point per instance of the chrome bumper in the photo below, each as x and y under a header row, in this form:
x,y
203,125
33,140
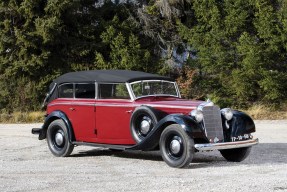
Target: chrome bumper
x,y
226,145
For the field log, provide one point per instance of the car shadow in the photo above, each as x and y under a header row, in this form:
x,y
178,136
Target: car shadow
x,y
145,155
263,153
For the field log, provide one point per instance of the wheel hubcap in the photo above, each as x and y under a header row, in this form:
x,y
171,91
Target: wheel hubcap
x,y
145,125
59,138
175,145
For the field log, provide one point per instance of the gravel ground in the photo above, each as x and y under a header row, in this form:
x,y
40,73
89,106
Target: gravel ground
x,y
26,164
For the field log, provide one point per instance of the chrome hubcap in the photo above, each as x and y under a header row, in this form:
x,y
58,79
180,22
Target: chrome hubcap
x,y
145,125
59,138
175,146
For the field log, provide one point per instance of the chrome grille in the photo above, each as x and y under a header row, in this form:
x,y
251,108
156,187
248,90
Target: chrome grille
x,y
212,123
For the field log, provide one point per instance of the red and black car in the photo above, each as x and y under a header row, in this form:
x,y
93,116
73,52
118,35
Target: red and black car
x,y
132,110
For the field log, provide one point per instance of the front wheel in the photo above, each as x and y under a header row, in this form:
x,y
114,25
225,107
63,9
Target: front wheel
x,y
177,148
236,155
58,139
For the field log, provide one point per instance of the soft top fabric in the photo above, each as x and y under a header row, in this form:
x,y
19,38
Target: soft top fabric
x,y
107,76
101,76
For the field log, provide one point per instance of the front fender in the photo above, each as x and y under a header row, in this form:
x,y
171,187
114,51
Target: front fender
x,y
53,116
241,124
192,128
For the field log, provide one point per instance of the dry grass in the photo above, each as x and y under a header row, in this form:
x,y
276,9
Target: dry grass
x,y
260,112
22,117
257,112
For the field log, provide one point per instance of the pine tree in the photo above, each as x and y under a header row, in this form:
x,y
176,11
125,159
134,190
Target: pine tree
x,y
41,40
239,49
124,48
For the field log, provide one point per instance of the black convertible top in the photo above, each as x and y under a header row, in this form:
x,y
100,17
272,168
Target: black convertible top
x,y
101,76
107,76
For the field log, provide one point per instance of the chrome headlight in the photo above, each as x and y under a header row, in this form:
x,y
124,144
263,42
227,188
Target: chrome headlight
x,y
197,114
227,113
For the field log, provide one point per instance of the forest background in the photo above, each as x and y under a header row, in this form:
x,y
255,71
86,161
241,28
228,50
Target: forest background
x,y
231,51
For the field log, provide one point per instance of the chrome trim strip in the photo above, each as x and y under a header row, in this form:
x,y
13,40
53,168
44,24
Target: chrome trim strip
x,y
96,90
113,105
177,90
158,95
111,146
151,80
226,145
97,103
172,106
132,96
73,103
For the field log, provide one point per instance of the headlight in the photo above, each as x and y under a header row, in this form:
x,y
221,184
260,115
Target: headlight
x,y
227,113
197,114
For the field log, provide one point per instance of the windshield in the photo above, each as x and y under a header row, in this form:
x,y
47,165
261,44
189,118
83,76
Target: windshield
x,y
154,88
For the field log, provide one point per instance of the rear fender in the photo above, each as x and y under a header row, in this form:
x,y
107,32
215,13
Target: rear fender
x,y
53,116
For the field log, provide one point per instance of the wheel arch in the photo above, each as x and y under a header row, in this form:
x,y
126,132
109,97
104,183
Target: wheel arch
x,y
155,116
186,123
241,124
54,116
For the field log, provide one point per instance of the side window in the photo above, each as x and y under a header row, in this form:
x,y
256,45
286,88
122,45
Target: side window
x,y
121,91
85,91
113,91
66,91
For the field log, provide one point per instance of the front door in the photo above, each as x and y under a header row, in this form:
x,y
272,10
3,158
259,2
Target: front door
x,y
113,121
113,112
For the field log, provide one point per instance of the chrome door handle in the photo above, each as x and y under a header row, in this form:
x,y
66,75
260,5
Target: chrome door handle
x,y
129,111
72,109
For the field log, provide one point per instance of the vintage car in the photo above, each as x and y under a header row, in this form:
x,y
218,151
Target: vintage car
x,y
132,110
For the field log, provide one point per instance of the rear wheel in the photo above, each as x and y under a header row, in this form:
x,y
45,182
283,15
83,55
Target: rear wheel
x,y
236,155
58,139
177,148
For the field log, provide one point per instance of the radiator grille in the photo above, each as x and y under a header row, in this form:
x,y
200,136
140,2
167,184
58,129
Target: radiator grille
x,y
212,123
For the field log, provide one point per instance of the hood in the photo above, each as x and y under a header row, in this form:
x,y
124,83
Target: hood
x,y
171,105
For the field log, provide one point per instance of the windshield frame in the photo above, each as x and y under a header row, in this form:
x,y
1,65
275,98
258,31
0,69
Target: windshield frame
x,y
133,96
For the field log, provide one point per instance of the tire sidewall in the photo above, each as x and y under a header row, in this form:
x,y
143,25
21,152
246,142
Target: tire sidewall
x,y
134,127
236,155
188,147
52,129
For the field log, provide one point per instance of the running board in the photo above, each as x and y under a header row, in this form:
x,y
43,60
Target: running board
x,y
120,147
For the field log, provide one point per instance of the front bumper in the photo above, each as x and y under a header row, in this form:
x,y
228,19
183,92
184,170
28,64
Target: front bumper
x,y
226,145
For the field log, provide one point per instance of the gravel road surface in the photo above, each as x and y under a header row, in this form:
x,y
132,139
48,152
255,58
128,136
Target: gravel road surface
x,y
26,164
